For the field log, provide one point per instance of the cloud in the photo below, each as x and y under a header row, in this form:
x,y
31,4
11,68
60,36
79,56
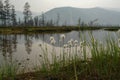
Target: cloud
x,y
45,5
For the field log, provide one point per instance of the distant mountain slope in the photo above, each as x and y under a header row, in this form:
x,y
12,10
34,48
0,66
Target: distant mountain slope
x,y
70,15
114,9
20,15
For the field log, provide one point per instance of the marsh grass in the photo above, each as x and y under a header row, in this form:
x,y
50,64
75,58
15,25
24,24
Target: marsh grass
x,y
102,64
8,70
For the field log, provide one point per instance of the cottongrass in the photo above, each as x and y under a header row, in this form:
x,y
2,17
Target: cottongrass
x,y
62,37
86,60
52,40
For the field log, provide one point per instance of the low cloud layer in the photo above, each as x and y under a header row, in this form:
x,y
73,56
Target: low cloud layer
x,y
45,5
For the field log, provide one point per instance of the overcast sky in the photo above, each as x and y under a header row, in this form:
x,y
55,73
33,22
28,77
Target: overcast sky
x,y
45,5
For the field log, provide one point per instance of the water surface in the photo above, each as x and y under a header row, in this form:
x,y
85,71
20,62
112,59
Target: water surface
x,y
25,48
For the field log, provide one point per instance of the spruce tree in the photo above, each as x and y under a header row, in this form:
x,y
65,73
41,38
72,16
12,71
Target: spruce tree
x,y
7,12
13,16
2,14
27,13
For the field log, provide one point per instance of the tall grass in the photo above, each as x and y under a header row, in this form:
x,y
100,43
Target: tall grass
x,y
8,70
98,61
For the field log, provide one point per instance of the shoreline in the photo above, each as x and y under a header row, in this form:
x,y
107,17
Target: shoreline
x,y
25,30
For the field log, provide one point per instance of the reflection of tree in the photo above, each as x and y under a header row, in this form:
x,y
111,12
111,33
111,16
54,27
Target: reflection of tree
x,y
8,46
28,44
36,36
43,37
15,43
4,46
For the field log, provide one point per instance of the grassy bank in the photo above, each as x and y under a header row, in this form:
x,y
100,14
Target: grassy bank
x,y
21,30
73,63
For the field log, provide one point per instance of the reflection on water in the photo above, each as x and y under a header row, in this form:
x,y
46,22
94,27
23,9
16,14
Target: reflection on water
x,y
8,45
26,47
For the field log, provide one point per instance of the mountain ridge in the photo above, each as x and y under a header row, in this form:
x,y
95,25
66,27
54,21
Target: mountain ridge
x,y
70,15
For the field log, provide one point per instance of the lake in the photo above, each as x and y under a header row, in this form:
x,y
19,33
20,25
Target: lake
x,y
26,50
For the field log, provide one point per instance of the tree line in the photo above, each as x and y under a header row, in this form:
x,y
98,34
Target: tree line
x,y
7,13
8,16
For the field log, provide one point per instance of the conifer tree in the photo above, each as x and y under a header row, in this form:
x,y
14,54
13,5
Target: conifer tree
x,y
27,13
7,12
13,16
2,14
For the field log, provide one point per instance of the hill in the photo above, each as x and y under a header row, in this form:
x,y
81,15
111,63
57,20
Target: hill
x,y
70,15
